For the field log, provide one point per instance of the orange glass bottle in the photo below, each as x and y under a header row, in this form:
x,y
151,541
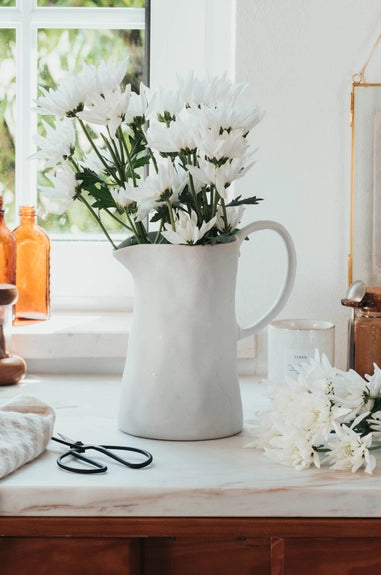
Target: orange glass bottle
x,y
7,251
32,267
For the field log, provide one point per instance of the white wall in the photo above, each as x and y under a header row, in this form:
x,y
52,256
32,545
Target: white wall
x,y
298,57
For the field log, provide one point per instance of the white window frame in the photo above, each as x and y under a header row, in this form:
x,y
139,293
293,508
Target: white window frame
x,y
196,35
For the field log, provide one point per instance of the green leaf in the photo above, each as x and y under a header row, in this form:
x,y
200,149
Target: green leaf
x,y
238,202
220,239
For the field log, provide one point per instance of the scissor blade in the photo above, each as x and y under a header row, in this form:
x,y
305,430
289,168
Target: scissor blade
x,y
67,439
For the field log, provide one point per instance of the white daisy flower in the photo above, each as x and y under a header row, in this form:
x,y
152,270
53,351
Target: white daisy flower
x,y
158,189
233,215
210,91
107,109
137,106
221,176
63,190
186,229
180,136
350,451
122,195
58,143
163,104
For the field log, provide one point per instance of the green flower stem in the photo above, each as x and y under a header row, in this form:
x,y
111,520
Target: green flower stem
x,y
142,233
207,207
116,160
97,219
86,132
122,143
153,161
194,196
171,218
138,230
225,215
158,233
128,154
216,198
120,222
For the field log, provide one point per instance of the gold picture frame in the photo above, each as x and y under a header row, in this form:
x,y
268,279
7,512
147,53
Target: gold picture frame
x,y
364,262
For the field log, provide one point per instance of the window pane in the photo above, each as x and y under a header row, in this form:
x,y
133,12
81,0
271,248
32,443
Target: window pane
x,y
67,50
92,3
7,118
7,3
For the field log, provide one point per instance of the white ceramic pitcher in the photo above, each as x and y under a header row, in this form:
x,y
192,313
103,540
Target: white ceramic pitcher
x,y
180,380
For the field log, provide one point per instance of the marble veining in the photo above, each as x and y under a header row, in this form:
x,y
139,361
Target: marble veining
x,y
199,478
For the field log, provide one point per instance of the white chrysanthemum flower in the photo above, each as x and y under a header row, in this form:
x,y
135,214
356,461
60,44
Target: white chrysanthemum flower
x,y
374,382
93,162
293,449
107,76
180,136
187,231
210,91
74,89
233,216
137,106
221,177
352,391
58,142
63,190
107,109
218,145
122,197
164,104
66,100
350,451
227,117
158,189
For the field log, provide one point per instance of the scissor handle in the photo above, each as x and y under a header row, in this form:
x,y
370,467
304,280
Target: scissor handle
x,y
96,467
105,449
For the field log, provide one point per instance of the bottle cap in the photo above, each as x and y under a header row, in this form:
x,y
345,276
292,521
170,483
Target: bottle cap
x,y
8,294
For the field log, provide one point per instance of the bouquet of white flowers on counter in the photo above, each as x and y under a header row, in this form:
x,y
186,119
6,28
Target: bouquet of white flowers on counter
x,y
324,416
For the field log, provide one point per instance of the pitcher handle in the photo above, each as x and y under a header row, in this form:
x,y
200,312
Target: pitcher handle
x,y
288,283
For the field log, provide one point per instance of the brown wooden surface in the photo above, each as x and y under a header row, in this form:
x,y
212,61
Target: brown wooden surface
x,y
207,556
322,556
189,546
67,556
188,527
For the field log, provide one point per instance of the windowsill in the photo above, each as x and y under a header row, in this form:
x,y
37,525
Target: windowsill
x,y
89,342
72,342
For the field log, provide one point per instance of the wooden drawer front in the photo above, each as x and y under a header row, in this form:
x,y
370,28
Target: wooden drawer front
x,y
207,556
326,556
68,556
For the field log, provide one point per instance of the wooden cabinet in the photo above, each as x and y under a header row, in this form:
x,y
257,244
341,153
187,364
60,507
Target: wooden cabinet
x,y
189,546
320,556
208,555
72,556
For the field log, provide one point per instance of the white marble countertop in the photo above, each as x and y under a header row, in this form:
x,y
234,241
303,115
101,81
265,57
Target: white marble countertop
x,y
207,478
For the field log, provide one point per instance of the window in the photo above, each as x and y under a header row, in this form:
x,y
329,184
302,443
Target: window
x,y
39,41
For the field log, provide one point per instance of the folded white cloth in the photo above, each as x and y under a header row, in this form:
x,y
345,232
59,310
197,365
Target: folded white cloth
x,y
26,425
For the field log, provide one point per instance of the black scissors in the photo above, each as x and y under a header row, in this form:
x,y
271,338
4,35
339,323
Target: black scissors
x,y
77,449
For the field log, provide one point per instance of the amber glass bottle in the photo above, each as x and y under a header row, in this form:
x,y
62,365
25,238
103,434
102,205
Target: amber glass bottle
x,y
32,267
7,251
